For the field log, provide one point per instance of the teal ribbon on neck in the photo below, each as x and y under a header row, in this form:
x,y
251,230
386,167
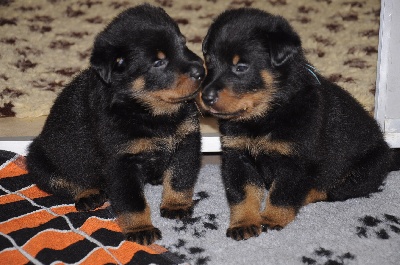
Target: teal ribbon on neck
x,y
311,69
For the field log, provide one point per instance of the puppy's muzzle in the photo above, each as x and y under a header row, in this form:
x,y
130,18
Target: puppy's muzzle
x,y
197,72
209,96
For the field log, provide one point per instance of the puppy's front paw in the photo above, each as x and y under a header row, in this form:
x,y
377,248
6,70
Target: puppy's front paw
x,y
137,226
144,237
243,232
268,226
277,217
90,199
176,213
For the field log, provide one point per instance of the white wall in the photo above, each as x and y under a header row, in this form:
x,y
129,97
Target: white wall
x,y
387,99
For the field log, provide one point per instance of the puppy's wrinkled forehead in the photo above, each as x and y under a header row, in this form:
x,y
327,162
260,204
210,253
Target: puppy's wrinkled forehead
x,y
133,23
144,17
235,28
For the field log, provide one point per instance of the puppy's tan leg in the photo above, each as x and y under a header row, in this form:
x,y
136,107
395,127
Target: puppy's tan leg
x,y
137,227
175,204
245,219
276,216
89,199
86,199
315,195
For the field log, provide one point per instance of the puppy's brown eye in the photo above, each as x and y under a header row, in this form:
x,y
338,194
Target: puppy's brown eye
x,y
120,63
159,63
241,68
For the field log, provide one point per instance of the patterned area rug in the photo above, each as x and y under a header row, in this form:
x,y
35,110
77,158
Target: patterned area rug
x,y
44,43
48,229
39,228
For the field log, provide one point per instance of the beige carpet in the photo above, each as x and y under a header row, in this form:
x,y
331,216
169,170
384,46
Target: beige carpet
x,y
44,43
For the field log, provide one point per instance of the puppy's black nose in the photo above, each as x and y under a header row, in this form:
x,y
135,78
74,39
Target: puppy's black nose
x,y
197,72
209,97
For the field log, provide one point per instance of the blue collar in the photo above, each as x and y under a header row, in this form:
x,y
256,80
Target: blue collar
x,y
311,69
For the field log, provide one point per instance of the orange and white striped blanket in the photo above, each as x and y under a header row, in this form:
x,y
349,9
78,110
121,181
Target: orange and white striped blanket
x,y
39,228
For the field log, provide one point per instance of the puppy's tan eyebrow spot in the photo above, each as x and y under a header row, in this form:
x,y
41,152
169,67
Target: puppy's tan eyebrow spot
x,y
161,55
236,59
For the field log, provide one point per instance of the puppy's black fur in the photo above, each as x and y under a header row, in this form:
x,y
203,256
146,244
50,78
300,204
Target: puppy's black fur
x,y
284,127
128,119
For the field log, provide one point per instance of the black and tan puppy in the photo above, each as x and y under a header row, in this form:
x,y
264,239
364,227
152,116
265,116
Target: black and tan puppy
x,y
128,119
283,126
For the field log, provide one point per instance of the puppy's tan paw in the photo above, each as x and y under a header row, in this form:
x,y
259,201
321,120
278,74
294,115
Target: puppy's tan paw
x,y
277,217
177,212
146,236
90,199
175,204
243,232
137,227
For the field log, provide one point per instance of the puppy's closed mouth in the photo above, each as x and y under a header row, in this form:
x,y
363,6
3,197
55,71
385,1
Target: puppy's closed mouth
x,y
185,98
227,114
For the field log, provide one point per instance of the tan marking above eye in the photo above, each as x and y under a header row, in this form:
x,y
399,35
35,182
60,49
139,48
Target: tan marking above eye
x,y
161,55
236,59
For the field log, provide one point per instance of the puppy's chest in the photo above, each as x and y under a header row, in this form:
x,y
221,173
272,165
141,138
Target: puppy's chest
x,y
257,145
162,139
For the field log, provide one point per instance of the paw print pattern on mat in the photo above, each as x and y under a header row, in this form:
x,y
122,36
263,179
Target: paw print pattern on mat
x,y
324,256
185,252
380,227
196,226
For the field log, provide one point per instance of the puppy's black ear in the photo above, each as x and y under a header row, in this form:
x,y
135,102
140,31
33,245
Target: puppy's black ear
x,y
205,43
283,46
103,59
